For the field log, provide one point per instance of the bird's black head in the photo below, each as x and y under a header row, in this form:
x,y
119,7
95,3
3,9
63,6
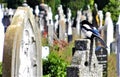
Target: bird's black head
x,y
86,22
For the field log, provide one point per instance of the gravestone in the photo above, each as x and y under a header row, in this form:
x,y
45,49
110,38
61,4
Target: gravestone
x,y
62,25
108,31
102,57
100,26
22,48
89,14
56,23
1,35
100,14
45,52
118,46
37,10
78,19
50,26
69,25
80,66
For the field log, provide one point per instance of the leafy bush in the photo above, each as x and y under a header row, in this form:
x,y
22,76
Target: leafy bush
x,y
54,66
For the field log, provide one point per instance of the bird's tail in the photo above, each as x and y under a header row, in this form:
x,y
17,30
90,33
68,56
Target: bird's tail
x,y
101,40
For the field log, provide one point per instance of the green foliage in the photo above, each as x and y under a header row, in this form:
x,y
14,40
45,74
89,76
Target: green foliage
x,y
113,8
53,4
75,5
54,66
0,68
14,3
1,1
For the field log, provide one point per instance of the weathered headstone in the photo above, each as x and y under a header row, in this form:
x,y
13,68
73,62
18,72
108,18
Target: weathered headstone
x,y
50,26
69,25
22,48
1,35
109,30
118,46
62,25
80,66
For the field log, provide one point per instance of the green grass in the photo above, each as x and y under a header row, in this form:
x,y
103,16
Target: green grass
x,y
112,71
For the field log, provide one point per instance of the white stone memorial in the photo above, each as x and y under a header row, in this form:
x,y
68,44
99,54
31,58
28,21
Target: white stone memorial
x,y
69,25
45,52
109,30
50,26
1,35
78,19
56,23
22,55
37,10
62,25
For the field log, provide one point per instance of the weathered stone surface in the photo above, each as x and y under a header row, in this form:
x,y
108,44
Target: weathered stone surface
x,y
14,40
81,62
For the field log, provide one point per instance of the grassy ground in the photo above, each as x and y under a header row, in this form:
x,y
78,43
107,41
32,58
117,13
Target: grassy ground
x,y
112,71
66,54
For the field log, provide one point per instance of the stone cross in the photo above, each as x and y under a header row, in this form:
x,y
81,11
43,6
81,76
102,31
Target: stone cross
x,y
1,35
109,30
118,46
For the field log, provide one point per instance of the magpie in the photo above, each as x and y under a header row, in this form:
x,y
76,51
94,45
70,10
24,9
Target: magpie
x,y
91,32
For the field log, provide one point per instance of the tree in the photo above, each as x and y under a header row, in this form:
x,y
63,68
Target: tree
x,y
75,5
14,3
114,8
101,3
53,4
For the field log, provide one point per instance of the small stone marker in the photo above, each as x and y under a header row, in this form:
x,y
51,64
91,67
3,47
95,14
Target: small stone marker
x,y
102,57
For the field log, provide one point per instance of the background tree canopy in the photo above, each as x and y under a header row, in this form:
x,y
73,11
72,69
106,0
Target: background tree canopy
x,y
105,5
114,8
14,3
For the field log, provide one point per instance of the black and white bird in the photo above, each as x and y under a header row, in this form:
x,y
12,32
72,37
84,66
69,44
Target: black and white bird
x,y
91,32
